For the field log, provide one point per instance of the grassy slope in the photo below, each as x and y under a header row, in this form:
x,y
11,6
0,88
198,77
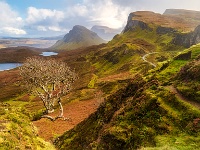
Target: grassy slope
x,y
135,117
16,129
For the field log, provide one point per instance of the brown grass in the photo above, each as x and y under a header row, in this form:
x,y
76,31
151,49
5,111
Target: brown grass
x,y
76,111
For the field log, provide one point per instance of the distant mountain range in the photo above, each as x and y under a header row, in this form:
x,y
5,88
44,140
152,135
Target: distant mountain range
x,y
40,42
105,32
78,37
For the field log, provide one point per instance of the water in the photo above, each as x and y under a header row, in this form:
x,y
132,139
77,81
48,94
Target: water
x,y
48,53
8,66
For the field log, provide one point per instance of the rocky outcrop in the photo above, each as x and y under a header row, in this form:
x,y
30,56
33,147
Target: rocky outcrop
x,y
132,24
165,30
196,35
184,56
187,39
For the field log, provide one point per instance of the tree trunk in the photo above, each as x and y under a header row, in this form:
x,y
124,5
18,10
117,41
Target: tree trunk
x,y
59,116
61,108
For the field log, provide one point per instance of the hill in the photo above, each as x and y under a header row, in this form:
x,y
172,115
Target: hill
x,y
138,72
78,37
17,54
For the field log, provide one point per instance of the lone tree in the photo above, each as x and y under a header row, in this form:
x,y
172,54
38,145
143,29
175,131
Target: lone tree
x,y
49,79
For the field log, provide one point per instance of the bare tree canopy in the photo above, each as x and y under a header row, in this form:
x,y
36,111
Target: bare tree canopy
x,y
49,79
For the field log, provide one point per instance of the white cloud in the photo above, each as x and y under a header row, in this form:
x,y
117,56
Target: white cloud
x,y
54,28
77,10
10,21
40,15
44,19
11,30
99,12
109,14
41,28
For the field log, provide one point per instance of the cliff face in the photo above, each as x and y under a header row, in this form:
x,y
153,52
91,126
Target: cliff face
x,y
132,24
196,35
188,39
165,24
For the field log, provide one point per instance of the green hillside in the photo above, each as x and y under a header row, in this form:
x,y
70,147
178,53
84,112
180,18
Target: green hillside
x,y
146,113
146,106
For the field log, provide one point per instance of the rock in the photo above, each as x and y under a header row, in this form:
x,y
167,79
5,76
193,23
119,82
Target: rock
x,y
184,56
132,24
187,39
165,30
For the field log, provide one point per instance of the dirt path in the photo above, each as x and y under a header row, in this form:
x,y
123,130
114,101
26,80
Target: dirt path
x,y
181,97
144,58
77,111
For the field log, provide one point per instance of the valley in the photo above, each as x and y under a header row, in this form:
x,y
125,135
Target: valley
x,y
138,91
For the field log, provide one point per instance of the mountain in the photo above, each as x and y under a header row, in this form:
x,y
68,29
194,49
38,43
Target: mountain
x,y
184,34
104,32
78,37
177,22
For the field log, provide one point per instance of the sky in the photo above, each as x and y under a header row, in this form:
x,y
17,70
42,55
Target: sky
x,y
47,18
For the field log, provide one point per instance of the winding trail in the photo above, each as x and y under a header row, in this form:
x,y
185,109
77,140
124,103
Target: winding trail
x,y
144,58
181,97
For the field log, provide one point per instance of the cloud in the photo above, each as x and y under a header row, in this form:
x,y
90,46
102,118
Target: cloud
x,y
51,21
107,13
41,28
36,16
99,12
11,30
44,19
10,21
77,10
158,5
55,28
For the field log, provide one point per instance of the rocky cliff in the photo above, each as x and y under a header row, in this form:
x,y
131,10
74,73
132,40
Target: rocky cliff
x,y
133,23
169,23
188,39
